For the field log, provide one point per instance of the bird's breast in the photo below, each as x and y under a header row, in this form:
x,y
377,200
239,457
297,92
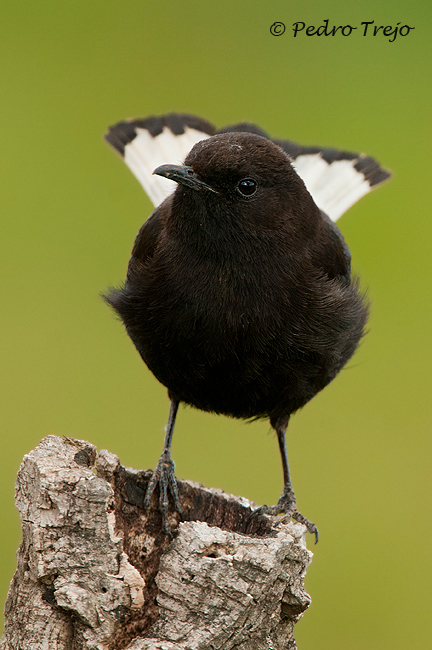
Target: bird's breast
x,y
216,330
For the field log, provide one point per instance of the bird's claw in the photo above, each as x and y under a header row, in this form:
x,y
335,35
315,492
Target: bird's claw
x,y
287,506
164,475
309,525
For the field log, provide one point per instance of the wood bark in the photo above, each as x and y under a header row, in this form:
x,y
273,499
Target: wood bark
x,y
94,573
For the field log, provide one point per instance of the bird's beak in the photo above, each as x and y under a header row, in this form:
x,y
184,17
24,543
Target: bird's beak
x,y
184,175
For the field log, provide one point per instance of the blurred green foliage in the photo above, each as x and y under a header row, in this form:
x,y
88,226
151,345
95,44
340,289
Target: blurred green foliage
x,y
360,452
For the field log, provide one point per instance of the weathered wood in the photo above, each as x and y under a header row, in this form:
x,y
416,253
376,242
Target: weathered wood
x,y
95,574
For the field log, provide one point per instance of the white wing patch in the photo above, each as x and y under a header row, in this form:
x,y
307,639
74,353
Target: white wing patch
x,y
335,179
335,186
145,152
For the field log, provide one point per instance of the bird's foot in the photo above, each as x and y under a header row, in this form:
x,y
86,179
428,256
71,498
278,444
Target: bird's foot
x,y
164,476
287,506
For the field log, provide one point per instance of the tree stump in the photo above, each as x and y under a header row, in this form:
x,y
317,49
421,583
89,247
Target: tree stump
x,y
94,573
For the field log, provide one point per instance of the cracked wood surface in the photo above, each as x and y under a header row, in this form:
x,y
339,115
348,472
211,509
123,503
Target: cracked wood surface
x,y
95,574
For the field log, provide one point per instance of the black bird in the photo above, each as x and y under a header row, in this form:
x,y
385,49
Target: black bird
x,y
239,295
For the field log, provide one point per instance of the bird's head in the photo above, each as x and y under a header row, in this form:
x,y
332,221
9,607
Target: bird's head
x,y
241,174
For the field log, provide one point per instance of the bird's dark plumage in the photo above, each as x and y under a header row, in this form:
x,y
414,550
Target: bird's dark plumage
x,y
239,295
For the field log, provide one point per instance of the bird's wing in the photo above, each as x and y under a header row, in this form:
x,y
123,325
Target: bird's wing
x,y
146,144
335,179
146,242
147,238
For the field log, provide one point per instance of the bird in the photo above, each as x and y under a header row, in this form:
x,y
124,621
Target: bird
x,y
239,294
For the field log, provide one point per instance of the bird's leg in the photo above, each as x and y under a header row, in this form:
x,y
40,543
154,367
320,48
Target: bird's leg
x,y
164,475
287,502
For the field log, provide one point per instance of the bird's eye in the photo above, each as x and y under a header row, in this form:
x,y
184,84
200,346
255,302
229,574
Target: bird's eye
x,y
247,187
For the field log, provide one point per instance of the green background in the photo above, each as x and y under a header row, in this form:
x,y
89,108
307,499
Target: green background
x,y
360,451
